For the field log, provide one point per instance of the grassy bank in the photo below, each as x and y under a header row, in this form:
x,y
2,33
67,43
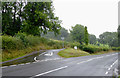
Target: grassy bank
x,y
70,52
22,44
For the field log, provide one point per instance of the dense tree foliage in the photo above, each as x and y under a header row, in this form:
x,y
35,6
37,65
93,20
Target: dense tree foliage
x,y
31,17
77,33
11,17
119,35
92,39
109,38
40,17
86,36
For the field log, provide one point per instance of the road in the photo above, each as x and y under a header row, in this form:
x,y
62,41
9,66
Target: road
x,y
50,64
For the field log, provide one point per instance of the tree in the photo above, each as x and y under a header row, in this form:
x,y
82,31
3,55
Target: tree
x,y
119,35
77,33
92,39
109,38
11,17
39,18
31,17
86,36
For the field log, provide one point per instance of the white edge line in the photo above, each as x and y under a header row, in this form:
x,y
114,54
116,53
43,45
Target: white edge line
x,y
111,66
21,64
51,71
27,63
12,65
4,67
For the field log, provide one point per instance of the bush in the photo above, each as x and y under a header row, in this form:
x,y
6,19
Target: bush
x,y
116,48
94,48
21,41
9,42
22,36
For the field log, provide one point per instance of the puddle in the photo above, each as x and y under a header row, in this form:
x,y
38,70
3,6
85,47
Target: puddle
x,y
26,59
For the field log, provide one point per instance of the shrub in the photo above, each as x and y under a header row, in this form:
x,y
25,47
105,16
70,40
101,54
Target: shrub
x,y
116,48
22,36
94,48
9,42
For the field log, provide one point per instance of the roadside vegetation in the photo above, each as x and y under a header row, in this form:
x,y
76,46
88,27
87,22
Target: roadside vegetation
x,y
70,52
33,26
21,44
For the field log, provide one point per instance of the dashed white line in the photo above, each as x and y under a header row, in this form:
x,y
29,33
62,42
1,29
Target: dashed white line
x,y
12,65
81,62
111,66
27,63
4,67
51,71
42,53
21,64
106,73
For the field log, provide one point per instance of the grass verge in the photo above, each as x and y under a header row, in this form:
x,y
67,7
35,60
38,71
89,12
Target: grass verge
x,y
70,52
12,54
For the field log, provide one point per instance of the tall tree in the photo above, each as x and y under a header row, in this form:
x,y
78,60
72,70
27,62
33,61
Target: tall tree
x,y
11,12
77,33
119,35
30,17
86,36
39,18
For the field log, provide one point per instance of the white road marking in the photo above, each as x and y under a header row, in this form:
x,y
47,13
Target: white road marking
x,y
34,62
27,63
21,64
81,62
111,66
35,58
42,53
12,65
106,73
51,71
4,67
49,54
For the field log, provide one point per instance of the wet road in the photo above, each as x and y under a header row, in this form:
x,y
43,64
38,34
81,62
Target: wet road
x,y
50,64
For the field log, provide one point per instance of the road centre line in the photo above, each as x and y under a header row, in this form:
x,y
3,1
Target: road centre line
x,y
50,71
106,72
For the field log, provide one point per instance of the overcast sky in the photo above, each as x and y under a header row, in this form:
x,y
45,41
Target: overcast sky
x,y
98,15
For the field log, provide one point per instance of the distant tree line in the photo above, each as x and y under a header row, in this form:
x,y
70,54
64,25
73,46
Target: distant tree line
x,y
80,34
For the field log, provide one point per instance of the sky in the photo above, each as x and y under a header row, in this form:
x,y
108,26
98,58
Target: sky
x,y
98,15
